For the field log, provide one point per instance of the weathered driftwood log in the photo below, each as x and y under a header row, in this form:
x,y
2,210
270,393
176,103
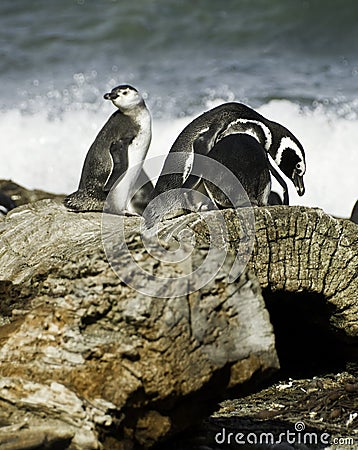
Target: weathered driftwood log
x,y
87,360
299,249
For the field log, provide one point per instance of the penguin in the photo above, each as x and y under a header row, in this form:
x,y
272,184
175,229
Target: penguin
x,y
6,204
121,144
200,136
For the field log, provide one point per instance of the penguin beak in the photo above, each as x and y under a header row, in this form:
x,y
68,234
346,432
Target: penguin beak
x,y
298,182
109,96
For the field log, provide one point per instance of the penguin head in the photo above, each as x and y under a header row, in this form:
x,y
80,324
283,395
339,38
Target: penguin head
x,y
125,97
290,158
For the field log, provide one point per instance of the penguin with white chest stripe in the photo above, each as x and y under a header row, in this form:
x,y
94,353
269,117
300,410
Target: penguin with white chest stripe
x,y
201,135
121,144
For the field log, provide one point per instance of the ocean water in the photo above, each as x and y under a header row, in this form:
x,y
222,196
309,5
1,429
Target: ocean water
x,y
296,61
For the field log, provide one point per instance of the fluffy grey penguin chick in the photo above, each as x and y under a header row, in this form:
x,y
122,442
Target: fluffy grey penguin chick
x,y
115,159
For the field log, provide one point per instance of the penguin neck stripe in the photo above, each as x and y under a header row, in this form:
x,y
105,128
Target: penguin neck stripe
x,y
256,129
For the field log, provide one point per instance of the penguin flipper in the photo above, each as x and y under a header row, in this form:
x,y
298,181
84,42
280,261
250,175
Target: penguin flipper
x,y
201,146
119,154
94,196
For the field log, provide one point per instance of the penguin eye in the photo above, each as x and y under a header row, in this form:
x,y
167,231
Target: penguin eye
x,y
125,92
299,168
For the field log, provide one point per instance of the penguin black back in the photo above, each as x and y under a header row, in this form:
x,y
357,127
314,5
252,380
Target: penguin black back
x,y
118,128
247,160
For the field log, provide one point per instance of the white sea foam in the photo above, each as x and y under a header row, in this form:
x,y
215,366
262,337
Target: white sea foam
x,y
39,153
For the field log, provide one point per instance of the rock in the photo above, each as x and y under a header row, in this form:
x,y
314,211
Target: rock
x,y
87,361
21,196
298,415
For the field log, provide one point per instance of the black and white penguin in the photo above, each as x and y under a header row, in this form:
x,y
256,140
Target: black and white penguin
x,y
121,144
200,136
6,204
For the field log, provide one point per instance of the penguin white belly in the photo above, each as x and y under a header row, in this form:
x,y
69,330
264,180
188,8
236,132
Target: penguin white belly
x,y
137,150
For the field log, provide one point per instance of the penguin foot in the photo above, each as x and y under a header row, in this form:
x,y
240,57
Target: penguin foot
x,y
78,202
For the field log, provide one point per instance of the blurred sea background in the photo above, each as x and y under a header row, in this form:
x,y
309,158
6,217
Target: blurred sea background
x,y
295,61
